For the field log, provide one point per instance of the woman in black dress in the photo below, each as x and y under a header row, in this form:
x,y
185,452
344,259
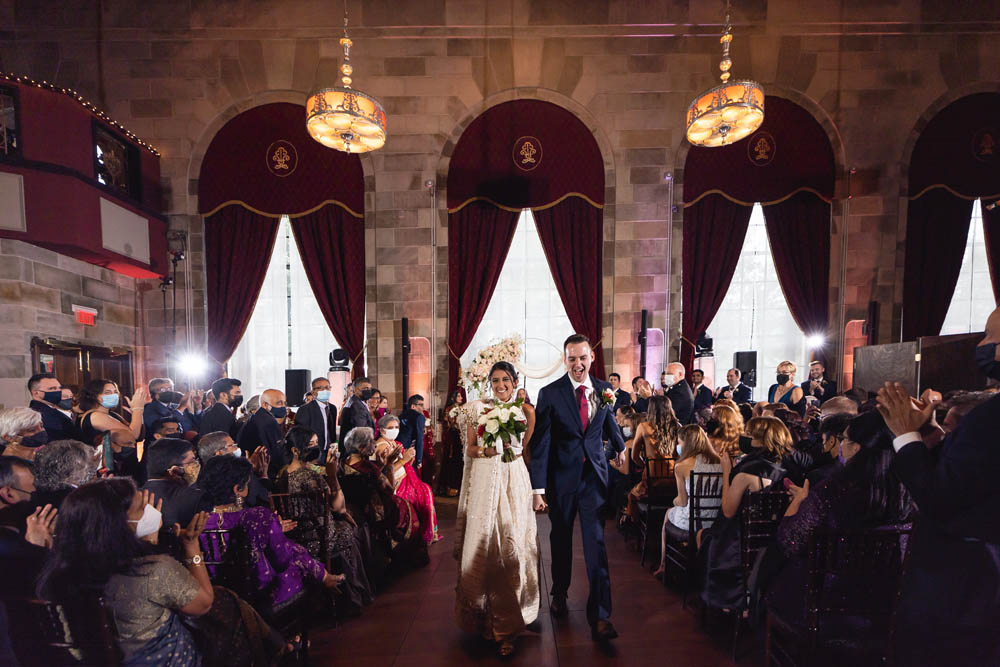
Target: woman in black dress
x,y
452,464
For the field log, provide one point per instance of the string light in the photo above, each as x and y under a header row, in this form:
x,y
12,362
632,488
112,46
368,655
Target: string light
x,y
89,106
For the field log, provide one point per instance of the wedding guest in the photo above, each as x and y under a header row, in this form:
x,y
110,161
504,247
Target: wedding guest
x,y
452,463
173,470
101,410
381,408
47,398
725,429
165,402
702,394
785,390
320,415
22,432
356,412
522,395
411,428
734,389
429,466
405,478
17,481
219,417
655,438
125,456
61,467
263,430
222,444
817,385
622,397
678,391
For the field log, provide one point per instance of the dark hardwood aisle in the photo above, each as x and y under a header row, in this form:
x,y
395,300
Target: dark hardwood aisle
x,y
412,622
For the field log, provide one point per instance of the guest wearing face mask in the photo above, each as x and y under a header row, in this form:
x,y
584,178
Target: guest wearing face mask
x,y
678,391
165,403
47,398
785,390
356,412
101,410
219,417
22,432
173,470
61,467
67,405
264,430
702,394
220,443
734,389
319,415
411,428
125,456
405,479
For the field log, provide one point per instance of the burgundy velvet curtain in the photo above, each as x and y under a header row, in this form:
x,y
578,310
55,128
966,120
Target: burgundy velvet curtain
x,y
572,235
714,231
238,246
798,230
991,232
479,237
331,242
937,228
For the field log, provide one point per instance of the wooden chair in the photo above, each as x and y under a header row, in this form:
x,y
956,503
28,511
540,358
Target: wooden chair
x,y
704,502
78,634
311,506
653,508
851,592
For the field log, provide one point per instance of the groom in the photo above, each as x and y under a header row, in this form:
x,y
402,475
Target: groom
x,y
569,468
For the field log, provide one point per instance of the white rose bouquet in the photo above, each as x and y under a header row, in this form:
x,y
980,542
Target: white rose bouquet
x,y
502,427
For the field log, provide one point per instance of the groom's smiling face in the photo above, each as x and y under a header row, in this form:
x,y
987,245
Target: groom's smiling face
x,y
578,359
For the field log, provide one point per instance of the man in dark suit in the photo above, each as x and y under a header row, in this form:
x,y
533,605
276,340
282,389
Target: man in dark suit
x,y
319,415
173,469
678,391
263,430
622,398
411,427
817,385
568,469
220,443
46,398
949,608
164,402
356,412
219,417
734,390
702,394
642,393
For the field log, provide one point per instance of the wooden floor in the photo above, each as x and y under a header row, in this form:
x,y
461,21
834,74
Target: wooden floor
x,y
411,623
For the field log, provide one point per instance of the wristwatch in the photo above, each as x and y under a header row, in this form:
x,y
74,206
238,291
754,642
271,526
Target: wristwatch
x,y
194,560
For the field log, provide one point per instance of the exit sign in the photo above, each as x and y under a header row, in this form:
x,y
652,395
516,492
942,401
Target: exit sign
x,y
85,315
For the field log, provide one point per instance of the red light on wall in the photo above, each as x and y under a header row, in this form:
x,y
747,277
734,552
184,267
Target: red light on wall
x,y
85,315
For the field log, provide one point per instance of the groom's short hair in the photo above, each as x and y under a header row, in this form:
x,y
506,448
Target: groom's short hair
x,y
576,339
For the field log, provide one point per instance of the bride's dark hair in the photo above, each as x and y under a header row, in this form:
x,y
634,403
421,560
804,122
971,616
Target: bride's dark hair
x,y
507,368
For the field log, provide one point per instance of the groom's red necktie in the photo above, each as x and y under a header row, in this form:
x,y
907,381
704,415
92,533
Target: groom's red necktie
x,y
581,399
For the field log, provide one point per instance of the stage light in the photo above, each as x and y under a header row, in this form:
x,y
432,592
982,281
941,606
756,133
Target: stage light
x,y
815,341
191,365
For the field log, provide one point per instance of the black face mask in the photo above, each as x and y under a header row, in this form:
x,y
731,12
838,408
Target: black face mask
x,y
309,454
366,394
746,444
66,404
169,397
782,378
53,397
126,454
986,359
36,440
236,401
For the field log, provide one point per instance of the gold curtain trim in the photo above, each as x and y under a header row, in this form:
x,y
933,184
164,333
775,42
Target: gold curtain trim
x,y
237,202
751,203
533,208
957,194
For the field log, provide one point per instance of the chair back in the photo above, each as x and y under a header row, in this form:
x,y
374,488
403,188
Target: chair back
x,y
704,501
51,634
658,469
761,513
307,506
228,557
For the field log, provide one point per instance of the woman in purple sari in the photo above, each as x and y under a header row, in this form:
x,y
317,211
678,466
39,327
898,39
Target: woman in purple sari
x,y
283,570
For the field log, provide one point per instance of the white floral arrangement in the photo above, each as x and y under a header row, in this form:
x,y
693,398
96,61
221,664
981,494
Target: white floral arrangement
x,y
476,376
502,428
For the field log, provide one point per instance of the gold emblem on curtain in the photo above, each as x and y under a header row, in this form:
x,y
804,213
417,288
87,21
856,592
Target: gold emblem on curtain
x,y
984,145
527,153
282,158
761,148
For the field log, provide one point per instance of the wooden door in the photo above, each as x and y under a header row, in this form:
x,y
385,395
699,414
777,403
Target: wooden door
x,y
75,364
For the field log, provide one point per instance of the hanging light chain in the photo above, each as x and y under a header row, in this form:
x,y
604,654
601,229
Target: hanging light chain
x,y
727,36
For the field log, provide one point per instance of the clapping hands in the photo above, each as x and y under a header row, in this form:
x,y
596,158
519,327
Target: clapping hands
x,y
260,460
40,526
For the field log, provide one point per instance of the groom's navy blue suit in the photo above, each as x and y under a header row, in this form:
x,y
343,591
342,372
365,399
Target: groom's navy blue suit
x,y
570,464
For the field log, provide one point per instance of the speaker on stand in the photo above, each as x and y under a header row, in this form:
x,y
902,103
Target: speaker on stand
x,y
297,383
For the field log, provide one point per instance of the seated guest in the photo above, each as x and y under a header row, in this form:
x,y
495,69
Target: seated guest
x,y
724,430
785,390
173,469
25,532
303,475
165,427
99,550
622,397
370,494
678,391
817,385
282,568
405,478
61,467
961,405
164,402
656,438
838,405
641,393
411,428
696,455
734,389
101,410
263,430
824,453
319,415
221,444
702,394
47,398
860,495
719,550
22,432
219,417
621,478
17,481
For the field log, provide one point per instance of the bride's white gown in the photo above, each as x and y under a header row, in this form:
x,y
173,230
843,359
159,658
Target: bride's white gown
x,y
496,544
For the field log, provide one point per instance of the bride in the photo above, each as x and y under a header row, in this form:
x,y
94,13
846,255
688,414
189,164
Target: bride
x,y
496,542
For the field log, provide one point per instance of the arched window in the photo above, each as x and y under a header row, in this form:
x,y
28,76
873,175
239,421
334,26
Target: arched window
x,y
973,300
287,328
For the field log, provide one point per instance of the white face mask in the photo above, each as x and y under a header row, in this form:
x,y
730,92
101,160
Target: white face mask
x,y
149,523
677,450
668,380
627,431
238,453
391,433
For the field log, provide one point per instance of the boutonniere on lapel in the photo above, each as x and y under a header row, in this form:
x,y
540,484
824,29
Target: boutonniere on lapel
x,y
607,398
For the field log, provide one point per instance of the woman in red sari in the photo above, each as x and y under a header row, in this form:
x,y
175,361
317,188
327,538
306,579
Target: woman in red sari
x,y
405,478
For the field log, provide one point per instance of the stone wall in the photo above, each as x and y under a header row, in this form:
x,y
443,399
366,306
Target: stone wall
x,y
870,72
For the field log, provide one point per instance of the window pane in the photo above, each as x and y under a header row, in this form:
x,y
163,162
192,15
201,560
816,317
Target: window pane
x,y
972,302
525,302
287,329
755,316
8,122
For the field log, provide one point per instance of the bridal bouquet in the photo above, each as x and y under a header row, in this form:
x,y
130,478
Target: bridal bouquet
x,y
501,427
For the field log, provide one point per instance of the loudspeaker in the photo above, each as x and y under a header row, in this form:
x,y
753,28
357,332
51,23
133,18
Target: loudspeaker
x,y
297,383
747,363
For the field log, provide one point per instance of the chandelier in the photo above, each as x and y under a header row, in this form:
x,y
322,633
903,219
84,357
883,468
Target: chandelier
x,y
343,118
728,112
